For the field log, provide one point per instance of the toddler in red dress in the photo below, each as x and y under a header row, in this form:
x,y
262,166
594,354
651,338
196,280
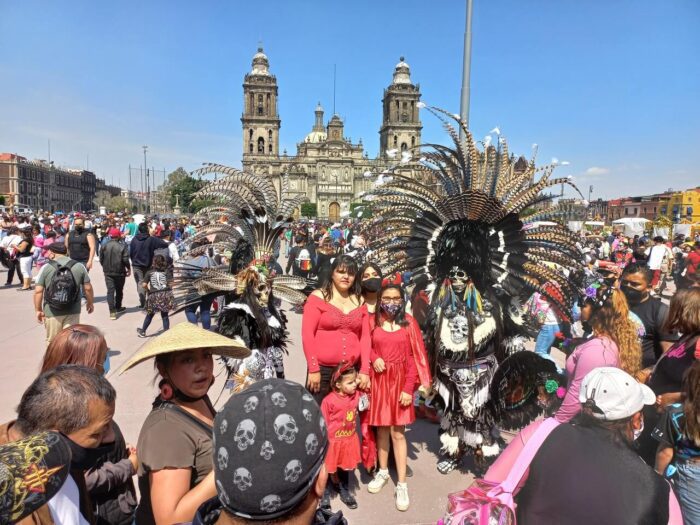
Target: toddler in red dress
x,y
339,409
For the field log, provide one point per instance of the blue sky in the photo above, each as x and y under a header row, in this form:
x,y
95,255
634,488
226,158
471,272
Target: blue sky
x,y
609,85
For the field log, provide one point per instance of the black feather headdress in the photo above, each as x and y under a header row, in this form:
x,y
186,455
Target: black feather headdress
x,y
468,215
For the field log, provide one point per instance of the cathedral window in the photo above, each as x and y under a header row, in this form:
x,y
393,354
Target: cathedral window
x,y
260,104
413,141
269,135
261,145
250,134
404,146
269,147
396,140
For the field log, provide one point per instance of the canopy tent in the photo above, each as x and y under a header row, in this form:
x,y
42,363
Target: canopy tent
x,y
632,225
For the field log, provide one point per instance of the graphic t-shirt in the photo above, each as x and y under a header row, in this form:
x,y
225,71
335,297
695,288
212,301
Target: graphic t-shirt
x,y
669,431
652,313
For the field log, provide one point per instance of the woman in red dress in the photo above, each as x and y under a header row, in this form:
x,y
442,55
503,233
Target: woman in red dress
x,y
399,364
339,409
335,329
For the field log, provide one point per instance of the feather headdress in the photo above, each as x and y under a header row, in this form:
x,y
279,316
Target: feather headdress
x,y
244,224
469,216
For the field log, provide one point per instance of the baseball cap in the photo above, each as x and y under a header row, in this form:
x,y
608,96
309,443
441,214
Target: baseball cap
x,y
615,393
270,441
114,233
32,471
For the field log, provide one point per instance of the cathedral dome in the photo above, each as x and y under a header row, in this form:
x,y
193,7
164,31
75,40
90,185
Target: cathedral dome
x,y
260,63
402,73
316,136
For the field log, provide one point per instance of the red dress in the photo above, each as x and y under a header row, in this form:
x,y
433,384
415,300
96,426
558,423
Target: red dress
x,y
330,336
340,413
400,375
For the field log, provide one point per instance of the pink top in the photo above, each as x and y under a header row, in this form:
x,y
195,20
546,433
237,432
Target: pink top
x,y
330,336
597,352
340,413
395,347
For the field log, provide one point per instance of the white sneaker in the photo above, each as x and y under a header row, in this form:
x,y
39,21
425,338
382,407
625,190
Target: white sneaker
x,y
401,494
381,478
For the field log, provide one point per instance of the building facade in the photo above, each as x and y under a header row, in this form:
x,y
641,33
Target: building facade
x,y
39,185
683,206
330,169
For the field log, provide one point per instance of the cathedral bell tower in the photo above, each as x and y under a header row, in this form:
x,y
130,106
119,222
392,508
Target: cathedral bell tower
x,y
261,122
401,125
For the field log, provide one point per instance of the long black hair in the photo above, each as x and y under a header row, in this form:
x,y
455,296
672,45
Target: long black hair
x,y
370,265
400,317
347,263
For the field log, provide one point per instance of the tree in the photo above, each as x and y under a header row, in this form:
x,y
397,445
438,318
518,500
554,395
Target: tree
x,y
360,210
117,203
309,209
102,198
181,183
197,204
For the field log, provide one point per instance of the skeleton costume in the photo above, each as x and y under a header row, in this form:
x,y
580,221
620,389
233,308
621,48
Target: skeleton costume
x,y
461,235
244,228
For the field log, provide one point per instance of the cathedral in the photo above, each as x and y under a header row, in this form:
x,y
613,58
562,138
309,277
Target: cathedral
x,y
328,168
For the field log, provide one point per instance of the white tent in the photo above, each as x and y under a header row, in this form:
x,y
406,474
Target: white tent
x,y
631,225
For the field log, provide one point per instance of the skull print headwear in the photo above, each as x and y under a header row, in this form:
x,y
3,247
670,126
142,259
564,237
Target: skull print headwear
x,y
269,451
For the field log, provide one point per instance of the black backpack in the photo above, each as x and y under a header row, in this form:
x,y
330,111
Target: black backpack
x,y
62,291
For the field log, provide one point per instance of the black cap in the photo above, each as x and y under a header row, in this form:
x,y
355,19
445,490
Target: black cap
x,y
269,444
57,247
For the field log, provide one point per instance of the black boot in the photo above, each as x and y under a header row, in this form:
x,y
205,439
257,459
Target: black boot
x,y
344,491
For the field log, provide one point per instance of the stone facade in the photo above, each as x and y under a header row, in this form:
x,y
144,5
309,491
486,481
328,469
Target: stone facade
x,y
328,167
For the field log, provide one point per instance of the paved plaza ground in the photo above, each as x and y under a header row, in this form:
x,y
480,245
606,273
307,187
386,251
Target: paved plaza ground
x,y
23,345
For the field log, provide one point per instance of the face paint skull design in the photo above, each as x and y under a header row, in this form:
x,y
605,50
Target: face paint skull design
x,y
245,434
286,428
262,291
459,279
243,479
292,471
459,329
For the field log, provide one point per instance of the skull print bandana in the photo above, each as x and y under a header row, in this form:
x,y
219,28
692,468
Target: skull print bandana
x,y
269,444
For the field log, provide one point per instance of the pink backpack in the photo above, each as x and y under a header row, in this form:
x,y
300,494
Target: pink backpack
x,y
490,503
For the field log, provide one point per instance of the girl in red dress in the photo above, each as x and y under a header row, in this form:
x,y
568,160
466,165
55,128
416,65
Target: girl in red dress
x,y
339,409
399,364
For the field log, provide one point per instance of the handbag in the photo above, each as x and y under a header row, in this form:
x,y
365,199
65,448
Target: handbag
x,y
490,503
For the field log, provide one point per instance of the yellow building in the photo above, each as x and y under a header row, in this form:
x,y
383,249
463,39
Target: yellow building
x,y
683,206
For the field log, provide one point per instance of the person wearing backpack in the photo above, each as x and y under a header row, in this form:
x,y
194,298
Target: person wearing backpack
x,y
299,260
57,291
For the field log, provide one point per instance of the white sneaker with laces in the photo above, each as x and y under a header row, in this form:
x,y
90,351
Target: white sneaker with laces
x,y
381,478
401,494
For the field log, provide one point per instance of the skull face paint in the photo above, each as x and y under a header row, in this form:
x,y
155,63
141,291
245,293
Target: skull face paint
x,y
459,279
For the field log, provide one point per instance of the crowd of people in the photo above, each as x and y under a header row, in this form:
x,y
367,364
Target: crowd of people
x,y
619,441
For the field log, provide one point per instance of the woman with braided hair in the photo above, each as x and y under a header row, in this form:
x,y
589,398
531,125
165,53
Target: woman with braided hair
x,y
615,342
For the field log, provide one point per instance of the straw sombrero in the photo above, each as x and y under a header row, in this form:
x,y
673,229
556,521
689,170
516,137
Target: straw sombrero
x,y
187,336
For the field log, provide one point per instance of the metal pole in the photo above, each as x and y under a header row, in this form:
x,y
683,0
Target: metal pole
x,y
148,182
466,69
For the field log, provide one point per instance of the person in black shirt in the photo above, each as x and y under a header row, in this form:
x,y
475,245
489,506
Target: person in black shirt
x,y
592,459
636,285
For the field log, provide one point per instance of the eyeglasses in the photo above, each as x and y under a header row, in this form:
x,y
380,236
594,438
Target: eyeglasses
x,y
395,300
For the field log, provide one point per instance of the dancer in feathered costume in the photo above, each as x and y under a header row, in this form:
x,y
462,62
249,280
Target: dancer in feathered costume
x,y
245,227
463,236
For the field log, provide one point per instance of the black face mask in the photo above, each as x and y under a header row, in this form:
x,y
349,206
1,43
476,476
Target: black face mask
x,y
372,284
79,229
633,296
86,458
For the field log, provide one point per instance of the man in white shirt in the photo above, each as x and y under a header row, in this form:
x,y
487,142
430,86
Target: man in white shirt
x,y
7,245
660,261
